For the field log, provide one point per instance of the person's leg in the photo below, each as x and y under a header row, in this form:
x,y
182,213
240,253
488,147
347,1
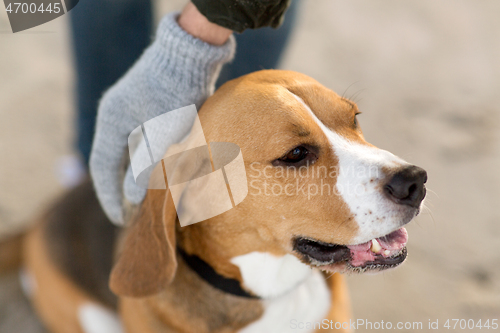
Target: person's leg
x,y
108,36
260,49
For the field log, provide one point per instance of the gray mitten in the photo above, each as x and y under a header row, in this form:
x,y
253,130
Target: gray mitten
x,y
175,71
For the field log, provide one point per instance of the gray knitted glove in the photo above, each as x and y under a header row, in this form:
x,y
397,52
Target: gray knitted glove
x,y
175,71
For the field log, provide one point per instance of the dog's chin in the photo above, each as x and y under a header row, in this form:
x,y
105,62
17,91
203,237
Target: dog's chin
x,y
378,254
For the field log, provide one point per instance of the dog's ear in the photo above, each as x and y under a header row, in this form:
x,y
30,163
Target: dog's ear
x,y
147,262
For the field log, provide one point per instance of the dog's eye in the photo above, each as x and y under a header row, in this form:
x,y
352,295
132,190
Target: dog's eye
x,y
299,156
295,155
356,119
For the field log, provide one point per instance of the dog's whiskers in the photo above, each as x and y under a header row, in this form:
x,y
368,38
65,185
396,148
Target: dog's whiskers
x,y
355,95
430,213
433,192
345,91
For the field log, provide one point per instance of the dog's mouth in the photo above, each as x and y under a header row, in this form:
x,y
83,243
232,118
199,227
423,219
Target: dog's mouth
x,y
377,254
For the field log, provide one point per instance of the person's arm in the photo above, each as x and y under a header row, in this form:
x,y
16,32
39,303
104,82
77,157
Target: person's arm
x,y
197,25
177,70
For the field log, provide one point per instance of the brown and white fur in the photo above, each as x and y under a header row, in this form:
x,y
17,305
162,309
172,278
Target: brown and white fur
x,y
267,114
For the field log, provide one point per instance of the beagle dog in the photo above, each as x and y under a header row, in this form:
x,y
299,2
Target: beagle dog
x,y
321,201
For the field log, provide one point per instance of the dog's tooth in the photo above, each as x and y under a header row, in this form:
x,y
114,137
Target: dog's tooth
x,y
387,252
375,246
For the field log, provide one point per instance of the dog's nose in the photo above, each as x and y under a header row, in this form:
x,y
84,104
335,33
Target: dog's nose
x,y
406,186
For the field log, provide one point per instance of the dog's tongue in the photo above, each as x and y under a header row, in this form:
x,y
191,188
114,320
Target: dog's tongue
x,y
395,240
385,246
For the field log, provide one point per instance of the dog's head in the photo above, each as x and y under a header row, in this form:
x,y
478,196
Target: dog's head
x,y
319,194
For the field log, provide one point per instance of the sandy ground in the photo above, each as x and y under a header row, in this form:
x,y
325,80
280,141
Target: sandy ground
x,y
426,75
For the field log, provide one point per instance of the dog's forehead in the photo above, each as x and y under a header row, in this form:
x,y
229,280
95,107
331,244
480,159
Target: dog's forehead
x,y
333,111
279,93
310,108
265,103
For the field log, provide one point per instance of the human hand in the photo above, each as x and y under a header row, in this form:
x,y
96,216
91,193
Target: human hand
x,y
175,71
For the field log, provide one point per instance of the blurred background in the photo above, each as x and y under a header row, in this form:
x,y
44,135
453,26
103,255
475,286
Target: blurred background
x,y
425,74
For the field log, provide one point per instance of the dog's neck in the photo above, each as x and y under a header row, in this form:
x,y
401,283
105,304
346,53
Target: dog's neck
x,y
270,276
190,298
282,283
190,304
267,273
267,276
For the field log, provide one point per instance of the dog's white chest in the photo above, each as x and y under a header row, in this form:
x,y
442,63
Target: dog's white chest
x,y
292,292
